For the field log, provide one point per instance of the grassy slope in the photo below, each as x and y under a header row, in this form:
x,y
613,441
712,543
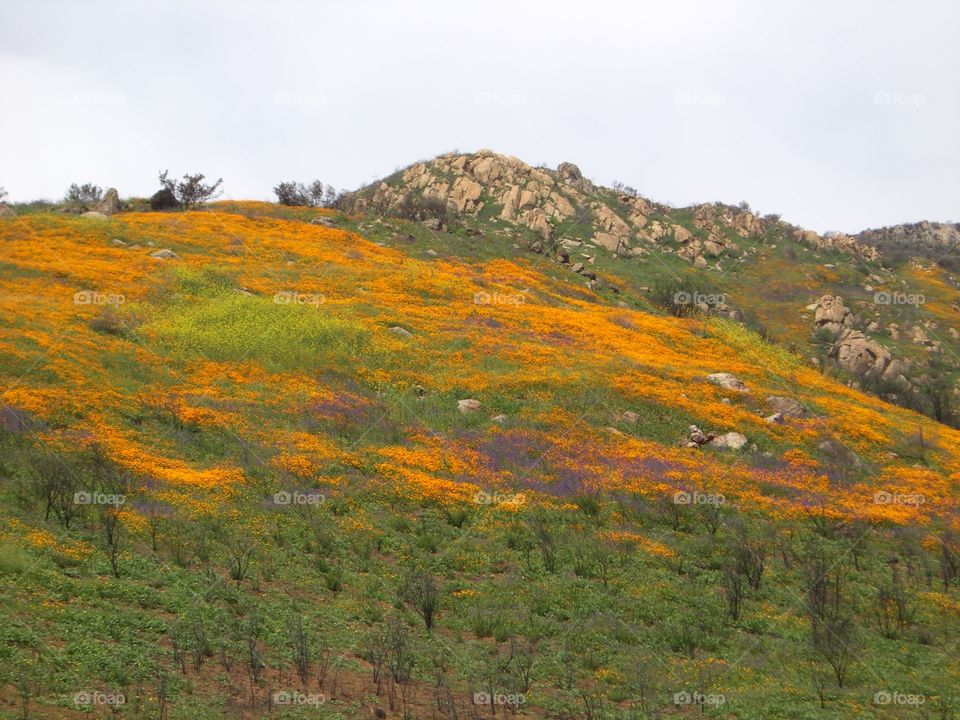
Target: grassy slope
x,y
213,399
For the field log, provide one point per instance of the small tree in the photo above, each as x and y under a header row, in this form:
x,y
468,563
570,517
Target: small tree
x,y
296,194
191,191
3,194
419,588
86,194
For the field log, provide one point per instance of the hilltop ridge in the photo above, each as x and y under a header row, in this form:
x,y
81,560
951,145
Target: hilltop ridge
x,y
561,204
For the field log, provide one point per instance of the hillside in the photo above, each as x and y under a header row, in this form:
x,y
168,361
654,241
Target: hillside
x,y
898,337
435,446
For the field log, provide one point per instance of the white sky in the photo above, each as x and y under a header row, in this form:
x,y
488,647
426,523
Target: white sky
x,y
840,115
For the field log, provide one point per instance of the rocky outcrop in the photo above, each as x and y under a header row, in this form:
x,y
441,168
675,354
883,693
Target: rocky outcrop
x,y
831,314
6,211
853,350
837,242
859,354
922,236
548,202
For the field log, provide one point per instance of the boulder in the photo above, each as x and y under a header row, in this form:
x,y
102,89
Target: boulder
x,y
785,407
401,332
94,215
570,173
464,194
109,203
698,437
857,353
164,254
729,441
468,406
6,211
607,241
712,248
728,382
832,314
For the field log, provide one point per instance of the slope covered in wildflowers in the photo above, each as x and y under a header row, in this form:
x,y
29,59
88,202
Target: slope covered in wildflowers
x,y
576,552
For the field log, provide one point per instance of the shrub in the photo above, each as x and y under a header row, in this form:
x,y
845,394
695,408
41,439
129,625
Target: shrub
x,y
421,207
316,194
419,588
86,194
191,192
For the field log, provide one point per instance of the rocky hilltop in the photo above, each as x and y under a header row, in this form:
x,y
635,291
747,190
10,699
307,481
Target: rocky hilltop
x,y
932,236
562,206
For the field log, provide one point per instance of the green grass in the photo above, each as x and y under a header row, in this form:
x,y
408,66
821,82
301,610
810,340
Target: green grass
x,y
236,327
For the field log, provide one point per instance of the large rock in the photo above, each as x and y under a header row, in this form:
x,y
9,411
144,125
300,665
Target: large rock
x,y
728,382
6,211
94,215
464,194
831,314
164,254
785,407
859,354
729,441
468,406
608,241
110,203
681,234
571,175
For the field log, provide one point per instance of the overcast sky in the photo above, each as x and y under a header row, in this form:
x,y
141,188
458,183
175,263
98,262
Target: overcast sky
x,y
838,115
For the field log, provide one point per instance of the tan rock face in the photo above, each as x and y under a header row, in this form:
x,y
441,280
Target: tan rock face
x,y
464,194
608,241
681,234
